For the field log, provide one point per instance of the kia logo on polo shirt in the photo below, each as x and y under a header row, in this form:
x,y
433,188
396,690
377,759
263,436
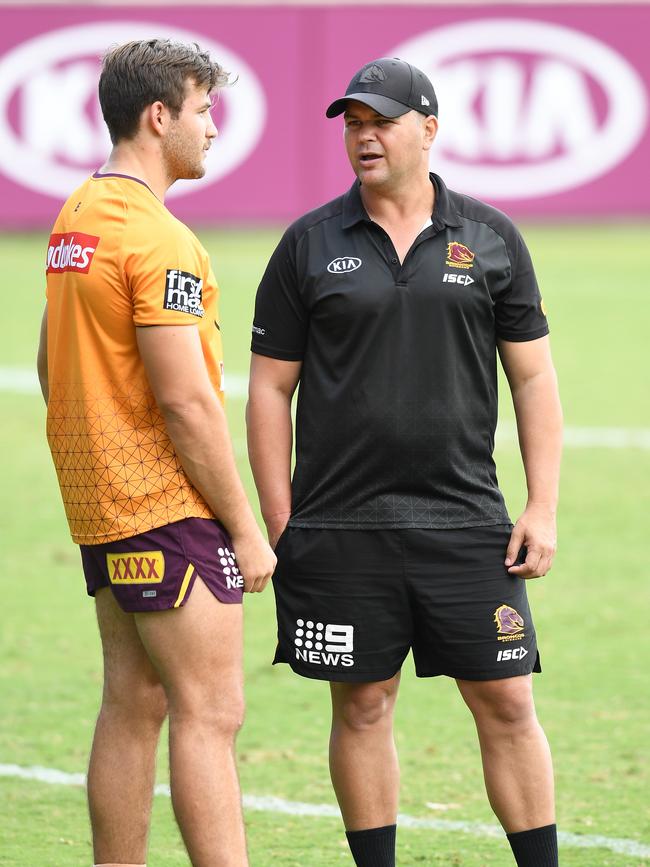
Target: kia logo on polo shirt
x,y
528,108
344,264
52,135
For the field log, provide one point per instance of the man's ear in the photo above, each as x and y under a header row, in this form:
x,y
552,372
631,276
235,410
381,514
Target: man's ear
x,y
155,118
430,131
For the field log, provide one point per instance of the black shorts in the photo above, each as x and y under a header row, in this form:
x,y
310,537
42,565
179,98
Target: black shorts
x,y
351,603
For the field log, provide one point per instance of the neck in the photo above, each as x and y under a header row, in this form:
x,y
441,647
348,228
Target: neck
x,y
135,161
411,200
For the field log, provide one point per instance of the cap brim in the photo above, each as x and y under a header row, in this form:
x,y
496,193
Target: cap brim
x,y
381,104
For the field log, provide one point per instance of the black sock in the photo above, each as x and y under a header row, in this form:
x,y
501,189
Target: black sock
x,y
535,848
374,847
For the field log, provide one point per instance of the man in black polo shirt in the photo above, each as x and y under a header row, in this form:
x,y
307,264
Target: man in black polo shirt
x,y
389,305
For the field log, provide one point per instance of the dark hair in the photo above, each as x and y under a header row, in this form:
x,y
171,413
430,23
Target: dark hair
x,y
137,74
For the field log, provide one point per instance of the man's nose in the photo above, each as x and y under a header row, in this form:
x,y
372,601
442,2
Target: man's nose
x,y
367,132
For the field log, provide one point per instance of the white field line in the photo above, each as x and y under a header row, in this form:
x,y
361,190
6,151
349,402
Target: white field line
x,y
271,804
19,380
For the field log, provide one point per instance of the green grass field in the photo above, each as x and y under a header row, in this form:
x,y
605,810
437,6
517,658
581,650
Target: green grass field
x,y
591,611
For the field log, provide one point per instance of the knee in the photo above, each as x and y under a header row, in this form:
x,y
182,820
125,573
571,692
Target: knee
x,y
223,716
507,704
141,702
363,707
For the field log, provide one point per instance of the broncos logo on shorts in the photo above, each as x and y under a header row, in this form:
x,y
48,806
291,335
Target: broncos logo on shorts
x,y
508,620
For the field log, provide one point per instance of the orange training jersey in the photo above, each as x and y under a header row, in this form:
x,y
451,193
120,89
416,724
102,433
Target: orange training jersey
x,y
117,258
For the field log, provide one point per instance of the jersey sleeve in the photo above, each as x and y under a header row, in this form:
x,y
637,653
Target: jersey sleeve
x,y
519,310
165,272
281,321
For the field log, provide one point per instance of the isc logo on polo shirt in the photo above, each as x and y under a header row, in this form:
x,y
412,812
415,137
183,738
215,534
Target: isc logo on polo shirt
x,y
183,292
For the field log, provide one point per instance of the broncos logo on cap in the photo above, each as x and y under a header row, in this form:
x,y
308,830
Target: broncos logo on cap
x,y
372,73
508,620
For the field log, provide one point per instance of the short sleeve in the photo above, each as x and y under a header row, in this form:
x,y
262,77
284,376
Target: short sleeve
x,y
165,273
281,320
519,310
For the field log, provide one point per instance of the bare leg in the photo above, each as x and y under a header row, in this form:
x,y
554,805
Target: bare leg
x,y
122,761
197,651
363,758
516,757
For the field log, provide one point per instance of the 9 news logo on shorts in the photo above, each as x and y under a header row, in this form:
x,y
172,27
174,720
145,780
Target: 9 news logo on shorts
x,y
328,644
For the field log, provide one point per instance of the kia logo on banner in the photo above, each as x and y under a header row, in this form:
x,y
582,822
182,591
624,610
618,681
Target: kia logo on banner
x,y
52,134
527,108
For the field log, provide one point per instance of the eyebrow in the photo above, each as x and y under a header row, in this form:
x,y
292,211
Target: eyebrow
x,y
352,116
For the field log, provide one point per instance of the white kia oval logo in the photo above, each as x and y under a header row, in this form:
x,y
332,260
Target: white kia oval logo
x,y
344,264
527,108
52,134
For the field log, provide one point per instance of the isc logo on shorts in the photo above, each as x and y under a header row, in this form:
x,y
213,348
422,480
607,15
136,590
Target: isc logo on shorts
x,y
183,292
140,567
511,653
328,644
71,251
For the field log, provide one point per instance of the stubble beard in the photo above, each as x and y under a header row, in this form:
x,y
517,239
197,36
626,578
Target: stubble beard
x,y
181,161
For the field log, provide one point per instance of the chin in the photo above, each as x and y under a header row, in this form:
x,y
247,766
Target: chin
x,y
193,174
370,179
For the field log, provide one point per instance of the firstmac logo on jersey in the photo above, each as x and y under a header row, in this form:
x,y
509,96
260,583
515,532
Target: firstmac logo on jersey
x,y
330,644
183,293
70,251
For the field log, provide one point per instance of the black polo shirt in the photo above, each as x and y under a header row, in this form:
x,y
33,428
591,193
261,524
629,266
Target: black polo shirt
x,y
397,405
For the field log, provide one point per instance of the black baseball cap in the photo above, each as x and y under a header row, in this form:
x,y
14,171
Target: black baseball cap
x,y
391,87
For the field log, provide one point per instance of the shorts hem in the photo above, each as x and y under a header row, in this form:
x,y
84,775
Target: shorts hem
x,y
496,674
336,676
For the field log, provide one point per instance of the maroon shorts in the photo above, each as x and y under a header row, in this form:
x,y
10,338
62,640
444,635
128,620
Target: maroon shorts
x,y
157,570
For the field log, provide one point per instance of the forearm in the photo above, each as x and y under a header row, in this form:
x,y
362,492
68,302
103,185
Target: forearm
x,y
539,425
199,434
270,441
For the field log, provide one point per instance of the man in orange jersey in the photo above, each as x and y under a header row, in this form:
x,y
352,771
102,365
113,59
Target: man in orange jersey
x,y
131,370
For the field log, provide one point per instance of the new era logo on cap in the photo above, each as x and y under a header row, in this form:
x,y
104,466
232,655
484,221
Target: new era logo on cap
x,y
391,87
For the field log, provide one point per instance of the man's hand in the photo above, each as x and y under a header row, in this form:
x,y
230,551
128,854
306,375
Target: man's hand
x,y
536,530
255,559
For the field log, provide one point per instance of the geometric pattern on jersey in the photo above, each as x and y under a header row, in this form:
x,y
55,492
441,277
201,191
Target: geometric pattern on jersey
x,y
119,260
118,472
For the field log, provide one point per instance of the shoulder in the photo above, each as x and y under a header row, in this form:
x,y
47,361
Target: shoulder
x,y
301,228
474,210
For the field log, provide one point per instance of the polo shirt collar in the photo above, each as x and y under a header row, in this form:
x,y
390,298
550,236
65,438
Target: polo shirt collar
x,y
444,213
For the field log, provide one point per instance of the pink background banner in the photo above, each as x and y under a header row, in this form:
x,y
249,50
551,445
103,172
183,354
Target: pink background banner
x,y
543,109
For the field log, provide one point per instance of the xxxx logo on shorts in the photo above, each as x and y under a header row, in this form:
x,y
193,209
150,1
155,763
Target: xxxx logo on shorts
x,y
459,256
141,567
510,623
